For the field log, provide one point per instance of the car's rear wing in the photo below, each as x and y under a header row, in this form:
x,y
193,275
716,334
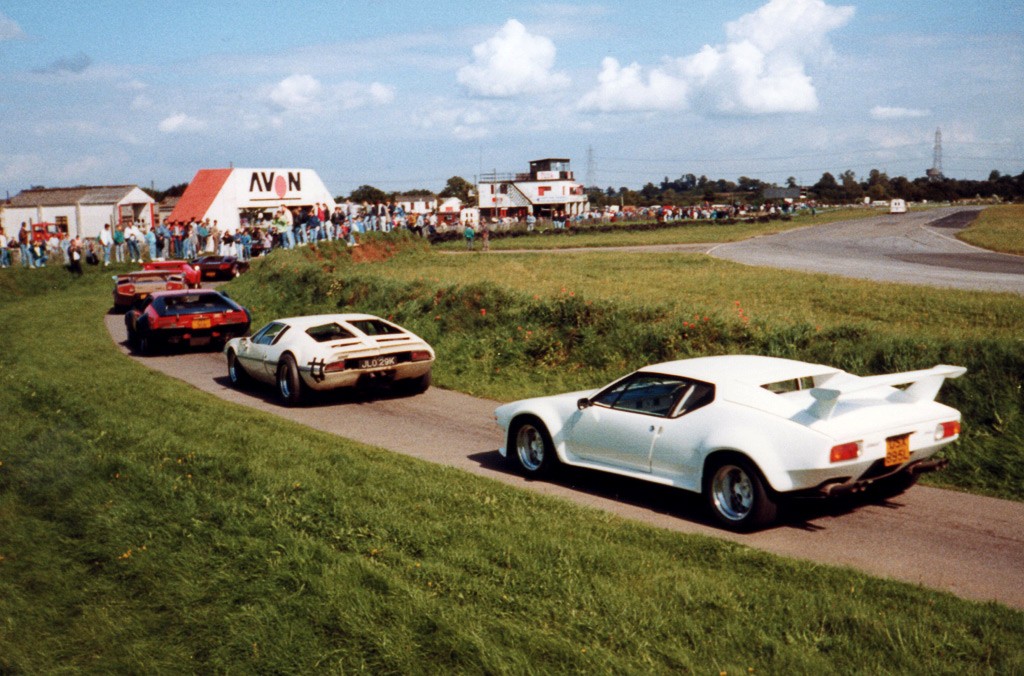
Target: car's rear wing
x,y
148,275
924,386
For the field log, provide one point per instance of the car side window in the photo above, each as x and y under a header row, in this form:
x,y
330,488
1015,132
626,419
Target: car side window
x,y
647,393
269,334
693,396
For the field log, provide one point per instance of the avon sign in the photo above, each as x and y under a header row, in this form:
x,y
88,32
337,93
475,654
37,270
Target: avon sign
x,y
263,181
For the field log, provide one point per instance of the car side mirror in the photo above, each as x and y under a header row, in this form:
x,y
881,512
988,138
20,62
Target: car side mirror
x,y
583,403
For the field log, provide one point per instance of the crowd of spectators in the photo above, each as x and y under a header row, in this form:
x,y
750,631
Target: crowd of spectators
x,y
286,227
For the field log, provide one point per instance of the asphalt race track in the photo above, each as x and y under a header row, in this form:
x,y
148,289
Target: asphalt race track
x,y
968,545
918,247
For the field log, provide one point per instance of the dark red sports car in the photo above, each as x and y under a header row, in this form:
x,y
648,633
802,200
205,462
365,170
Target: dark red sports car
x,y
132,287
220,267
188,317
189,272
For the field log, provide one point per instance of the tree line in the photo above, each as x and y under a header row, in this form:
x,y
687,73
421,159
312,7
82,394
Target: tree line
x,y
690,189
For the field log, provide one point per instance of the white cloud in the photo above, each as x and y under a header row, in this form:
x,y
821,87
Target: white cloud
x,y
9,29
896,113
297,93
181,122
460,122
760,69
511,63
305,96
381,94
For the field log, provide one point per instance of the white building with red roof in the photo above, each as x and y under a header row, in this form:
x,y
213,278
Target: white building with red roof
x,y
229,195
81,211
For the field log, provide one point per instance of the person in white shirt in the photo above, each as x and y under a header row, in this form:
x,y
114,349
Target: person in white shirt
x,y
107,241
5,255
133,236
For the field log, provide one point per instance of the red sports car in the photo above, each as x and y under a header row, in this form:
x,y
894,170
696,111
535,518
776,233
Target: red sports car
x,y
185,317
132,287
189,272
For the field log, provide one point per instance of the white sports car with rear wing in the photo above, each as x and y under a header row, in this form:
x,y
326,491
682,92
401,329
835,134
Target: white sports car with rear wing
x,y
325,352
742,430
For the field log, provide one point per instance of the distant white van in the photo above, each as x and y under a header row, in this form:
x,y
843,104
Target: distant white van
x,y
898,206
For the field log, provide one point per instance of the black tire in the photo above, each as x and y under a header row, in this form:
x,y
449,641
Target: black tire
x,y
148,345
237,374
530,448
893,486
416,385
289,382
737,495
133,340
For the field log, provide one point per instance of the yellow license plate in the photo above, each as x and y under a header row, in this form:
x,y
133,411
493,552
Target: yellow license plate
x,y
200,323
897,450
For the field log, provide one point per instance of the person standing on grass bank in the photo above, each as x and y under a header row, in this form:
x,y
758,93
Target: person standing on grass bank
x,y
5,255
106,241
24,239
469,234
485,237
119,245
133,236
150,238
75,257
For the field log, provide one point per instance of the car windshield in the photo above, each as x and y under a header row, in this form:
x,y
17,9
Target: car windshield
x,y
328,332
375,327
196,302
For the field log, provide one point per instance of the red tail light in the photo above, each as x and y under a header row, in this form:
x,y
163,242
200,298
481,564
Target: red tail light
x,y
174,286
419,355
126,289
844,452
334,367
947,429
164,322
224,266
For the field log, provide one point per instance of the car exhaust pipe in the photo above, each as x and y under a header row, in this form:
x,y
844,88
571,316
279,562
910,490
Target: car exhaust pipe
x,y
930,465
832,490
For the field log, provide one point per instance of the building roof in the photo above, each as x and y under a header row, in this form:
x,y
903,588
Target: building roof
x,y
199,196
58,197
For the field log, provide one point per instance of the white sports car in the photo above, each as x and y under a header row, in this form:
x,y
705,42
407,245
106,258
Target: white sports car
x,y
324,352
742,430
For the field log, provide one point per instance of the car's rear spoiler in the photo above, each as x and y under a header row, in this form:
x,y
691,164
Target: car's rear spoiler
x,y
924,386
166,275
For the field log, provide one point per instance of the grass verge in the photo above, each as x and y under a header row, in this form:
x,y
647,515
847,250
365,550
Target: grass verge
x,y
999,229
148,527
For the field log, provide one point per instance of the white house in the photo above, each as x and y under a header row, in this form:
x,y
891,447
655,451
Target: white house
x,y
549,189
228,195
81,211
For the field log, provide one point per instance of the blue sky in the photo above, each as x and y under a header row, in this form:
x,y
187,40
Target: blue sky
x,y
403,95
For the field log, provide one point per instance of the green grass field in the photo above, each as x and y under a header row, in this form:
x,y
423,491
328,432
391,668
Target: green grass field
x,y
999,229
148,527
